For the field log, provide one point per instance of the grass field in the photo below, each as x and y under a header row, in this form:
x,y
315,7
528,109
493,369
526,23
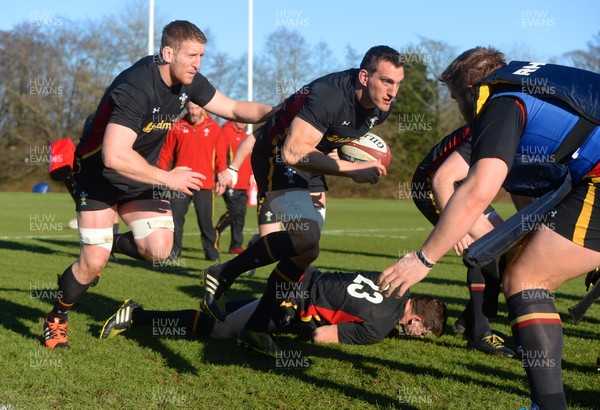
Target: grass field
x,y
142,371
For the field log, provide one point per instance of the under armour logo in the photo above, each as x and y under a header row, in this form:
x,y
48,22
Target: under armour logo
x,y
345,122
553,213
155,110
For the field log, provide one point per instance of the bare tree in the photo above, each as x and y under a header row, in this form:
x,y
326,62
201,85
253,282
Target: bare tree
x,y
54,77
353,57
435,55
285,67
323,60
227,74
587,59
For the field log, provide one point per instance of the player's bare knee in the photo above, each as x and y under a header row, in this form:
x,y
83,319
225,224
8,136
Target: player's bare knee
x,y
91,263
96,244
155,249
515,279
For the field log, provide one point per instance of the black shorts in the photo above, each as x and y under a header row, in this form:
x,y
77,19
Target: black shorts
x,y
95,195
577,217
272,175
422,195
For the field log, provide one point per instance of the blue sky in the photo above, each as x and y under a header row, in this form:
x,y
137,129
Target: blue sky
x,y
541,29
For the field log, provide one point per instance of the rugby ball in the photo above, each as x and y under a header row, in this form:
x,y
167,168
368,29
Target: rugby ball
x,y
369,147
72,223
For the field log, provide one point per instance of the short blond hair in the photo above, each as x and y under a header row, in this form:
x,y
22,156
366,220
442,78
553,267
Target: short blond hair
x,y
178,31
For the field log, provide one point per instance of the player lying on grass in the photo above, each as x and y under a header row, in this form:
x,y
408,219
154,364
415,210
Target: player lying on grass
x,y
336,307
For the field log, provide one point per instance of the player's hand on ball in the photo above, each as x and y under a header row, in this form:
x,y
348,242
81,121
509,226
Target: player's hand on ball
x,y
369,171
185,180
398,278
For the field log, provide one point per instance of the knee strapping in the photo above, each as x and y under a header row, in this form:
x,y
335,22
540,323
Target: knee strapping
x,y
144,227
102,237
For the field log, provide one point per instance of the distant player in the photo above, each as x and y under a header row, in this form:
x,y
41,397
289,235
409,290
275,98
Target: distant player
x,y
335,307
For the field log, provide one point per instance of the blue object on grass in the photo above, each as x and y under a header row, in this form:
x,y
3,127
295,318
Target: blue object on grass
x,y
41,188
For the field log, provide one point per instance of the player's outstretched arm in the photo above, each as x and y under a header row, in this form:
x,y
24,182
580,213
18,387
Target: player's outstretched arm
x,y
118,155
464,208
453,170
241,111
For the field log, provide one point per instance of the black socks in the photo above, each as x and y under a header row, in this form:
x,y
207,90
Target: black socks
x,y
284,277
537,331
69,292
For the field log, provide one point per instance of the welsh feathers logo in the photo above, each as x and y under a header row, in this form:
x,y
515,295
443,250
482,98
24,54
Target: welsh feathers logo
x,y
372,121
289,173
83,198
182,100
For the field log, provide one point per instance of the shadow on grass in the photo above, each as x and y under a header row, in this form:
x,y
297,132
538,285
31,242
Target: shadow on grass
x,y
177,267
582,398
28,247
444,281
100,308
144,338
72,243
581,333
12,314
357,253
224,353
589,370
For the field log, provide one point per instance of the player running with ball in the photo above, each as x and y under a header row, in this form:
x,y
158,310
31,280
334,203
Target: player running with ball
x,y
290,150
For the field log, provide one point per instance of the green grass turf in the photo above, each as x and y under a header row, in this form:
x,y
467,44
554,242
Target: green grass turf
x,y
140,371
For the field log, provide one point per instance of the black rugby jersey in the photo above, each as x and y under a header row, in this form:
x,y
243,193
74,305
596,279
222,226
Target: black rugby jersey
x,y
330,105
350,300
421,189
138,99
